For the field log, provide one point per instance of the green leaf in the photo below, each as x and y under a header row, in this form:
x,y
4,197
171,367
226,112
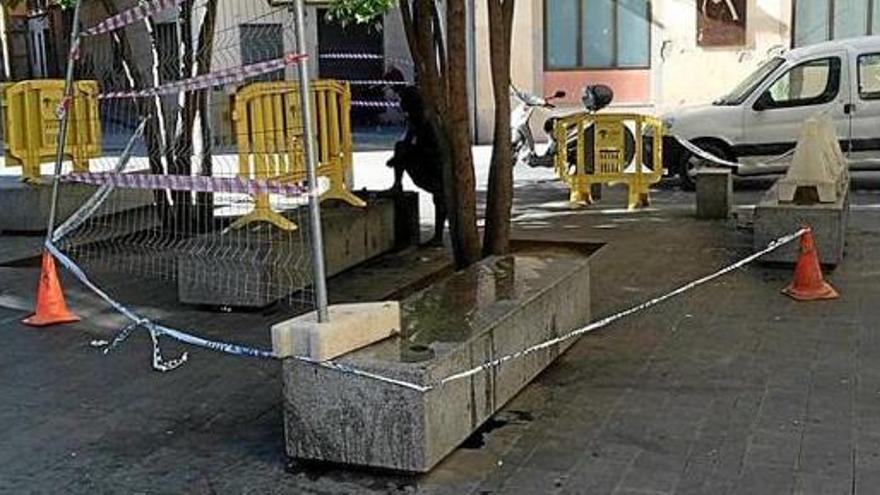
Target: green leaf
x,y
360,11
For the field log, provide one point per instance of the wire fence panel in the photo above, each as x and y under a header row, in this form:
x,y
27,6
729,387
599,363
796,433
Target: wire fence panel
x,y
180,196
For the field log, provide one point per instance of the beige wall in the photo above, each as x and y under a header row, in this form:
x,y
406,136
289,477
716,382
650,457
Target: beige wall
x,y
681,72
526,63
689,74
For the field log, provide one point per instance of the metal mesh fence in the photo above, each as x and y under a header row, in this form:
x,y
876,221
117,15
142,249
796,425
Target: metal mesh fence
x,y
201,174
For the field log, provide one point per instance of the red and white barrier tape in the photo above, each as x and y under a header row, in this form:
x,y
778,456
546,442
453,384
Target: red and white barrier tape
x,y
376,82
130,16
216,78
374,104
191,183
365,56
604,322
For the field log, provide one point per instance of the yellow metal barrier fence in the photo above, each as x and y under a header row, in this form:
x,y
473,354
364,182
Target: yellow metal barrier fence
x,y
31,124
609,164
269,135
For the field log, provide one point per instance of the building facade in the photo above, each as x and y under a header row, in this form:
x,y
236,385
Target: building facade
x,y
658,54
655,54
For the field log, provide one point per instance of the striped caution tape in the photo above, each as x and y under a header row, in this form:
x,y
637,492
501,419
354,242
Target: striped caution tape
x,y
365,56
376,82
709,157
156,330
97,199
130,16
375,104
217,78
592,327
189,183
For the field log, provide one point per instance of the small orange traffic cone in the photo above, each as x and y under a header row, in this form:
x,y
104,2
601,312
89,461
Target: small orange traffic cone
x,y
808,284
51,308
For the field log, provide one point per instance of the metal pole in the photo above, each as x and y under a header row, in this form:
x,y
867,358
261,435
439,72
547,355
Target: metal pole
x,y
305,92
65,118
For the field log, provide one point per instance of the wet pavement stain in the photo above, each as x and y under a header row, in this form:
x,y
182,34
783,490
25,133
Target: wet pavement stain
x,y
477,440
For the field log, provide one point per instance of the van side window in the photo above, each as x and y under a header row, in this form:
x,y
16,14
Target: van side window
x,y
869,76
810,83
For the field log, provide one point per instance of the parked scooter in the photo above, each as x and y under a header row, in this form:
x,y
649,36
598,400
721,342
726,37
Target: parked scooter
x,y
595,98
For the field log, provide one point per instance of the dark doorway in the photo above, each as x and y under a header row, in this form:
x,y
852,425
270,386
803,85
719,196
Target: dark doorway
x,y
367,43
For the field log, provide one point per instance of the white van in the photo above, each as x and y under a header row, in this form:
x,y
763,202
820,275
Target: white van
x,y
761,118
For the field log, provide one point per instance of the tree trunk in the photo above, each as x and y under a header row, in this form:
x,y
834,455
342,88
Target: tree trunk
x,y
145,108
461,195
205,53
499,198
181,163
422,27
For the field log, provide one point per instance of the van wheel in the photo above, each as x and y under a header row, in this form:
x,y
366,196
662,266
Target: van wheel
x,y
690,164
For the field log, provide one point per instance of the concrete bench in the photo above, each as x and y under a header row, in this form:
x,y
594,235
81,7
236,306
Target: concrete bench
x,y
828,220
26,207
499,306
273,263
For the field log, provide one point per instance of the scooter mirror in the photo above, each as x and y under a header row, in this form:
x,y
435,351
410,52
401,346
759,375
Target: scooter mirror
x,y
559,94
597,97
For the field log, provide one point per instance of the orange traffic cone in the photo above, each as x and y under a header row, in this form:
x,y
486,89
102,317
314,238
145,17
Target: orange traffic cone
x,y
808,284
51,308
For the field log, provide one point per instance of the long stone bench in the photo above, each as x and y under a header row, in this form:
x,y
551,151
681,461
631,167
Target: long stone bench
x,y
499,306
26,207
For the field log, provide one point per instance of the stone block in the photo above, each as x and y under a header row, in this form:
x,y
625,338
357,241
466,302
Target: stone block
x,y
499,306
407,229
344,229
714,193
255,271
349,327
26,207
828,220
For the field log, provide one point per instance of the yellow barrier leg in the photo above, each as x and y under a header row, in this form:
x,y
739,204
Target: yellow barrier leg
x,y
263,213
581,197
580,192
80,163
639,196
338,190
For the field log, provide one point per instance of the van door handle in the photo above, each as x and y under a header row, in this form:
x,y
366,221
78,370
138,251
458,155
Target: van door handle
x,y
849,108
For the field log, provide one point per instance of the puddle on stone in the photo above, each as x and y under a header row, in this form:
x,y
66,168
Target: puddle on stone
x,y
456,308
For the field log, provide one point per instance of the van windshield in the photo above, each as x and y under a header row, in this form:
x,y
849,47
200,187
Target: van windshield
x,y
745,88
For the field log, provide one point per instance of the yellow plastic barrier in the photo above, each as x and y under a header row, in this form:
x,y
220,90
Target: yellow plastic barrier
x,y
269,135
31,124
609,164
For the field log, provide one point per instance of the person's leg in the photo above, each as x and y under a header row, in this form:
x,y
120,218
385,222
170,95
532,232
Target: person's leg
x,y
439,220
398,163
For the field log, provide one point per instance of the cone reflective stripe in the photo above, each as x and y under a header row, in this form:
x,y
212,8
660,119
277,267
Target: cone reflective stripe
x,y
51,307
808,283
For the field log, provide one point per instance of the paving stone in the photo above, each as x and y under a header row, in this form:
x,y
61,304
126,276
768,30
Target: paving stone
x,y
652,472
817,484
764,480
594,476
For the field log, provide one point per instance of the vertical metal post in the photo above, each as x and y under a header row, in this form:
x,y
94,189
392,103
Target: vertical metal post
x,y
65,118
320,282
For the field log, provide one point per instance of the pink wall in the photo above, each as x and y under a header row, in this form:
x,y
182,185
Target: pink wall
x,y
630,86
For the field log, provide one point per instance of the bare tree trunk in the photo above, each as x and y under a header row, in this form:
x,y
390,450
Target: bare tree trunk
x,y
182,145
499,199
462,186
146,109
204,61
421,24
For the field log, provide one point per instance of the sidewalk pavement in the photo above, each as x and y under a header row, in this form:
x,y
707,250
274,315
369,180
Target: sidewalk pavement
x,y
730,389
